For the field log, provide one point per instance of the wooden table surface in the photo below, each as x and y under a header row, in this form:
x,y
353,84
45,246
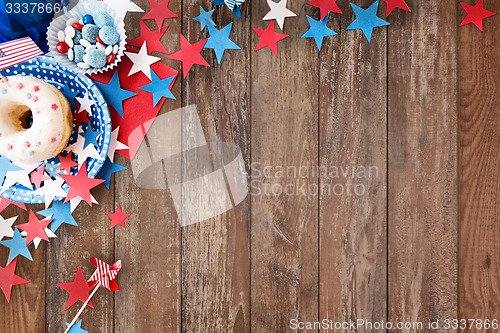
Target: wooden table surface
x,y
419,105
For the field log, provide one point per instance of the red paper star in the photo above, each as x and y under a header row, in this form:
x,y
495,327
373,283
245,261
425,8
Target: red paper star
x,y
118,218
35,228
4,203
392,4
476,14
37,177
66,163
326,6
151,37
78,289
80,185
269,37
8,279
159,12
189,54
81,117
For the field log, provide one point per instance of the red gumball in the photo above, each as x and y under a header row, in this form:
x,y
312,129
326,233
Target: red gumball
x,y
111,58
62,47
99,40
78,26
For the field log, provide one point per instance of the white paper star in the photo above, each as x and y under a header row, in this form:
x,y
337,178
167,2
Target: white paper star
x,y
278,12
37,240
73,203
6,227
114,145
20,177
83,153
142,61
50,190
85,103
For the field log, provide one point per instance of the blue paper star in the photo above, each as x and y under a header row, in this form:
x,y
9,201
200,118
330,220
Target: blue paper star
x,y
318,30
114,94
159,88
5,166
77,328
366,20
70,95
17,246
90,136
236,9
219,41
205,18
108,169
61,213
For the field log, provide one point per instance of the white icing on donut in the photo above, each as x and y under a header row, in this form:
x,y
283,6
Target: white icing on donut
x,y
19,94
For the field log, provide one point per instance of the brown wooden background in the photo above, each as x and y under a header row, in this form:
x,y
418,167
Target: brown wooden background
x,y
421,103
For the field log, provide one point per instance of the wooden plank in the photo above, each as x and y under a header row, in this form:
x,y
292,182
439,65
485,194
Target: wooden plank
x,y
284,243
422,162
353,152
26,311
150,247
215,252
479,295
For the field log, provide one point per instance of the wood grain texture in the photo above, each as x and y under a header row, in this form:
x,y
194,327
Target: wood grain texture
x,y
479,251
150,247
422,163
284,104
215,252
26,311
353,152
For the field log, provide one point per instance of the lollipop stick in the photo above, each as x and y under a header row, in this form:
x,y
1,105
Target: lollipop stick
x,y
81,310
4,79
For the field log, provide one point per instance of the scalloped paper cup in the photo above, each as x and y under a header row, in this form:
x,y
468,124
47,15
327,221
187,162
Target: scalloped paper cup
x,y
80,10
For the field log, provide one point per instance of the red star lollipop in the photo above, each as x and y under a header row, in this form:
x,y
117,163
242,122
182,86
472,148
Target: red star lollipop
x,y
8,279
80,185
189,54
326,6
269,37
159,12
118,218
392,4
35,228
78,289
151,37
476,14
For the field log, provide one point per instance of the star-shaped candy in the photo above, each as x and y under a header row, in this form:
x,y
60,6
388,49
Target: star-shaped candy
x,y
118,218
318,30
114,94
108,169
189,54
278,12
141,61
115,145
269,38
85,102
205,18
78,289
6,227
326,6
51,189
8,279
38,176
38,240
70,95
476,14
35,228
366,20
80,185
159,12
392,4
77,328
4,203
16,246
66,163
6,166
152,37
59,213
90,137
159,88
219,41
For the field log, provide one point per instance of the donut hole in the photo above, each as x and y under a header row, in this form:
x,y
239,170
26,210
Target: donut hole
x,y
23,117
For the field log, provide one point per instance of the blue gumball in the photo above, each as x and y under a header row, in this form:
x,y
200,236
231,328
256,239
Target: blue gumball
x,y
88,19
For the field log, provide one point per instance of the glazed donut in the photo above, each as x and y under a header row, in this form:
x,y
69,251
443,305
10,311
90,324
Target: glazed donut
x,y
52,123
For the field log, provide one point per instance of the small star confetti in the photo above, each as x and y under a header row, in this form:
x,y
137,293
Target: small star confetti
x,y
189,54
118,218
269,38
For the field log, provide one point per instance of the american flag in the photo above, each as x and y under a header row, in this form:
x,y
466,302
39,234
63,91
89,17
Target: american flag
x,y
17,51
105,275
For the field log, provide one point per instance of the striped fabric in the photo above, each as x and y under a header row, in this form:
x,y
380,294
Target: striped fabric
x,y
232,3
104,275
17,51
